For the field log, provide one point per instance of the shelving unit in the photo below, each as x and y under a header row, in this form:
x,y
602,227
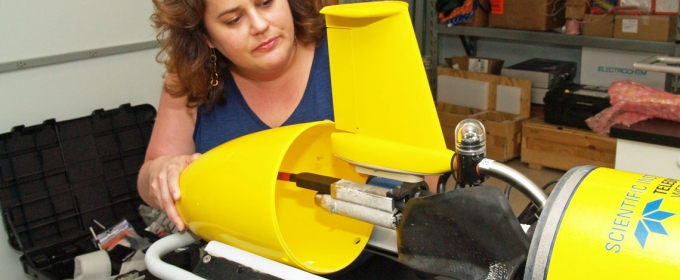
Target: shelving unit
x,y
630,155
553,38
470,35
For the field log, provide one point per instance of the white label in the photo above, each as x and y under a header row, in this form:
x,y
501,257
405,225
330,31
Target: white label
x,y
478,65
629,26
666,6
485,163
602,67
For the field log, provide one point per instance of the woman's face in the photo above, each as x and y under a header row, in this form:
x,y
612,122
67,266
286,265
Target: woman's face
x,y
255,35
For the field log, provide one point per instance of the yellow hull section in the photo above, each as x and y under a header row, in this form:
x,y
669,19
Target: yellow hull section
x,y
231,194
619,225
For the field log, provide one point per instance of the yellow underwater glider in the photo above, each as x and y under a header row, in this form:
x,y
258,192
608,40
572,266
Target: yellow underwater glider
x,y
300,195
385,119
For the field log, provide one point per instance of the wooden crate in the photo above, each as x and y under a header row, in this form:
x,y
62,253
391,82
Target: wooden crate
x,y
503,130
561,147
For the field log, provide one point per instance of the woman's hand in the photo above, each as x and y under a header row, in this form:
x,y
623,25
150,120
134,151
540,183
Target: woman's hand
x,y
164,184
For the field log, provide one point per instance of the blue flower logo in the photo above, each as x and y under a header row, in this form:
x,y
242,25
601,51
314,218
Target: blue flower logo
x,y
651,221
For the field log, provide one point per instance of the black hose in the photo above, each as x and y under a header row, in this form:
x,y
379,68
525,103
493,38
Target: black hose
x,y
528,215
441,184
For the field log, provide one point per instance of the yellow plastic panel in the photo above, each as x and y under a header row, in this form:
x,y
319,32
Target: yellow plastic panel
x,y
408,159
231,194
619,225
380,88
379,83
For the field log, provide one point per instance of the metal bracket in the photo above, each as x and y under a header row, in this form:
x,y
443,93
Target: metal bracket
x,y
659,63
80,55
663,64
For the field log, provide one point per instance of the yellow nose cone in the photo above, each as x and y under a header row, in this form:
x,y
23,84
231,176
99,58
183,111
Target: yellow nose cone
x,y
231,194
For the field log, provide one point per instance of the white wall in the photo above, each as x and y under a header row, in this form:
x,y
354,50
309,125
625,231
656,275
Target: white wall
x,y
33,29
70,90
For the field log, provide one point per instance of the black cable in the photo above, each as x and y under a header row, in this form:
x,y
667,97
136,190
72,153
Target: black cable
x,y
466,45
441,183
545,187
508,188
484,9
528,215
453,172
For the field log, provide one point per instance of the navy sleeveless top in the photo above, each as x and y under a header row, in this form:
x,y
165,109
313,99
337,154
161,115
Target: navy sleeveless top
x,y
234,118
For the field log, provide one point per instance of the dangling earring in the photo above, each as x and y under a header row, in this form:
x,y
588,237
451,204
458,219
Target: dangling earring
x,y
213,77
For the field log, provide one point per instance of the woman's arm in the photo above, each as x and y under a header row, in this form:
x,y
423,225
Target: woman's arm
x,y
170,150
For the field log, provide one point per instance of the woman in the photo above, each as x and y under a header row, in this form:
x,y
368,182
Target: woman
x,y
233,67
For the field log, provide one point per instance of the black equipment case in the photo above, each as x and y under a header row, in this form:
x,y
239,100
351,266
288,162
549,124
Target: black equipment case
x,y
543,73
572,104
57,178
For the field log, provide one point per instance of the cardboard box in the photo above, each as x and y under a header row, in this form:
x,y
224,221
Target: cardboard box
x,y
648,27
578,2
601,67
503,129
480,18
561,147
666,7
476,64
643,6
598,25
576,11
538,15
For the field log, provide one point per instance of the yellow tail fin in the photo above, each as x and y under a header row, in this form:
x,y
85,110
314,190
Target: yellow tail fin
x,y
381,94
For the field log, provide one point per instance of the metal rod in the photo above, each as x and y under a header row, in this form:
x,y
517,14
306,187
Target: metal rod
x,y
356,211
663,64
362,194
167,244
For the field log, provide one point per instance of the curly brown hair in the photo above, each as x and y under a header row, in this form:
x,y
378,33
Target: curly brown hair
x,y
181,33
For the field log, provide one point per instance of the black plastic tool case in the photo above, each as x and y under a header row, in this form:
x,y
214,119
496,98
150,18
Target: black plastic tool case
x,y
572,104
57,178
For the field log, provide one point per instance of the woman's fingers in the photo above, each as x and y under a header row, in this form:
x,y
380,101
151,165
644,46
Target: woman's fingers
x,y
165,185
172,214
193,157
168,202
173,182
